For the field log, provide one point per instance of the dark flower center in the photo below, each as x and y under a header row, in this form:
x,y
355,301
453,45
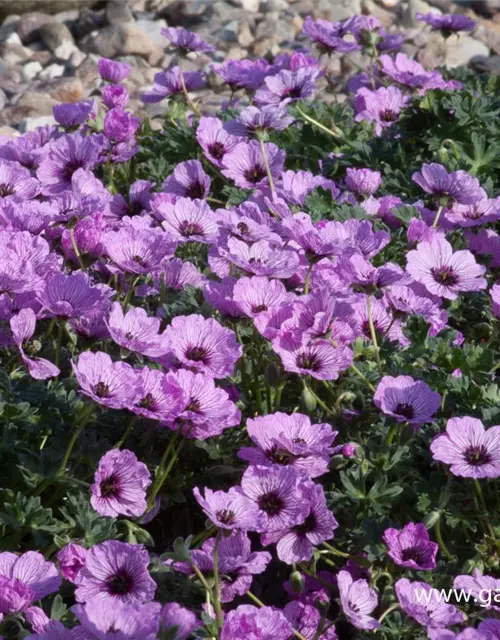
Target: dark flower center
x,y
140,261
198,354
148,402
101,390
195,190
6,190
216,150
281,456
406,410
120,583
70,169
444,276
477,456
307,526
365,328
387,115
412,553
226,516
109,486
194,406
255,174
242,227
190,229
271,503
259,309
308,361
293,92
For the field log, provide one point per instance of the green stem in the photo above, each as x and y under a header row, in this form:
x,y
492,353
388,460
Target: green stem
x,y
438,215
393,607
217,601
391,434
130,293
268,169
484,515
440,541
307,281
162,472
277,397
201,578
373,333
86,417
185,92
318,399
60,331
337,133
128,431
364,378
75,249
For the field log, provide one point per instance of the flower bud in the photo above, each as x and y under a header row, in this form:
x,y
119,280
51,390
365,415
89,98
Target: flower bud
x,y
308,399
297,582
272,374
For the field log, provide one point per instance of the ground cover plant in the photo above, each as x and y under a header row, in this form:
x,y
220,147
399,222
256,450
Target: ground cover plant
x,y
248,383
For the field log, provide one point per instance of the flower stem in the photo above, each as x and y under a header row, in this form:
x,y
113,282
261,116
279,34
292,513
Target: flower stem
x,y
126,434
336,133
163,471
130,293
364,378
439,538
484,515
268,169
307,281
60,331
373,333
85,418
217,601
318,399
75,249
438,215
185,92
389,610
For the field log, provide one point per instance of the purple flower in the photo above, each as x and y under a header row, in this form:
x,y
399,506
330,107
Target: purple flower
x,y
426,605
177,274
289,440
73,114
113,71
406,399
410,547
489,627
203,345
115,96
457,186
231,510
279,495
495,300
237,563
245,164
364,182
124,620
321,361
116,571
207,410
474,215
111,384
358,601
119,125
16,182
328,35
188,180
138,250
243,74
443,272
381,107
296,543
287,86
259,294
215,139
168,83
70,296
176,621
447,24
186,41
297,185
306,619
66,155
15,596
136,331
188,220
159,396
120,484
252,120
32,570
350,450
246,621
23,327
470,449
404,70
478,586
262,258
71,559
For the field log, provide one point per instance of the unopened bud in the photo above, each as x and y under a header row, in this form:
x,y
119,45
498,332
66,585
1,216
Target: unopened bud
x,y
297,582
272,374
431,519
308,399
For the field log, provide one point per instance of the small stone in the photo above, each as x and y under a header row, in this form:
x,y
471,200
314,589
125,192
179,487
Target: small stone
x,y
8,26
15,54
65,50
3,100
8,131
87,72
274,27
152,28
52,71
489,33
37,102
76,58
118,11
337,10
298,24
56,34
28,28
252,6
460,51
88,21
64,89
121,39
245,35
264,46
486,7
184,13
409,18
31,70
229,31
482,64
69,16
14,39
30,124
